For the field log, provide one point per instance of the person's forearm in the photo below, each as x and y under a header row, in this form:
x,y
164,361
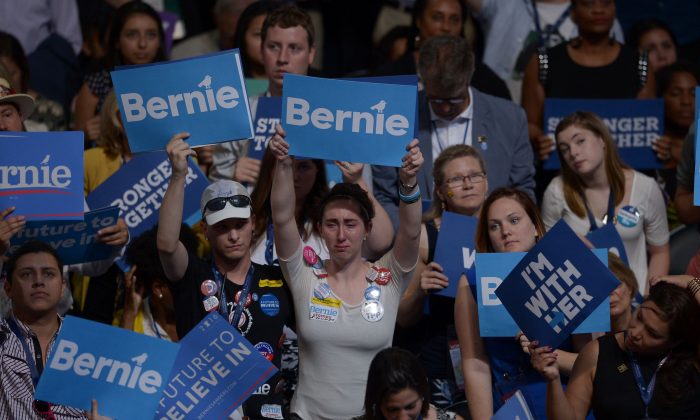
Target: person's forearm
x,y
411,305
170,216
477,376
282,197
558,407
382,234
408,237
659,261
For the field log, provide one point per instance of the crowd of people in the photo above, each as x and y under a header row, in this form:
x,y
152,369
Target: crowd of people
x,y
358,330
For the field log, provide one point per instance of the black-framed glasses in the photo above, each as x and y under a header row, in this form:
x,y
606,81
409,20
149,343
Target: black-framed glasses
x,y
43,410
458,180
219,203
451,101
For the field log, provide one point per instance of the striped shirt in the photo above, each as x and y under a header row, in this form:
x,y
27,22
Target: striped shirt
x,y
16,387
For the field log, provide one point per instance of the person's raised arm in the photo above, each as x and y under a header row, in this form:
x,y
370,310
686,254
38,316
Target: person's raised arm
x,y
282,197
85,118
9,225
681,280
411,304
410,207
173,255
382,234
476,367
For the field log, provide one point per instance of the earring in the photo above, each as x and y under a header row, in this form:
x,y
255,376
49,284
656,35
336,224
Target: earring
x,y
442,205
450,193
160,296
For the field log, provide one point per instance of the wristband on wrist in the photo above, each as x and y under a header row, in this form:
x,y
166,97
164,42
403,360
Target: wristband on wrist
x,y
694,286
406,189
411,198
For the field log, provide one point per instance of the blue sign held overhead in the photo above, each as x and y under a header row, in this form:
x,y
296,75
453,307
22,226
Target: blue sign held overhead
x,y
633,123
74,241
558,276
352,121
267,116
228,370
455,250
90,361
494,319
204,96
138,187
41,174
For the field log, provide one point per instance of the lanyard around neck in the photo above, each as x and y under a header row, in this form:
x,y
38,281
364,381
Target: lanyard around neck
x,y
609,215
221,281
550,29
646,391
437,136
33,363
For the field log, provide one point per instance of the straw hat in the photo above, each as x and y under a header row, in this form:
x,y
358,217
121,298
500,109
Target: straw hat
x,y
21,100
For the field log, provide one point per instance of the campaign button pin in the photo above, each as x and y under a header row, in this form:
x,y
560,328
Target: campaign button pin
x,y
373,293
208,288
322,290
269,304
372,274
210,303
628,216
248,298
265,349
372,311
384,276
320,273
310,255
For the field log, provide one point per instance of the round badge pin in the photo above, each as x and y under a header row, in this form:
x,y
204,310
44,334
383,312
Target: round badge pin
x,y
322,290
208,288
265,350
269,304
211,303
373,293
372,274
384,277
310,256
628,216
372,311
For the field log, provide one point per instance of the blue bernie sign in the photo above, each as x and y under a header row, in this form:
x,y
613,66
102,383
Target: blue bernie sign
x,y
138,187
514,409
124,371
41,174
494,319
696,178
608,237
204,96
344,120
228,369
75,241
455,249
267,116
556,286
633,123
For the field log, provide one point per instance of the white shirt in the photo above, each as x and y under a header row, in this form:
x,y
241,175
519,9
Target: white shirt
x,y
446,133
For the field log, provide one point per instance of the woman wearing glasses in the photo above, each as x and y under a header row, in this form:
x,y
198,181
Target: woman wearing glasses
x,y
345,307
460,187
596,188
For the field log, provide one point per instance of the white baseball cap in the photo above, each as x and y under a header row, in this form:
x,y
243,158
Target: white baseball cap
x,y
225,200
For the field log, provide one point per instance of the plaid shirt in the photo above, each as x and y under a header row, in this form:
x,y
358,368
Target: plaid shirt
x,y
16,387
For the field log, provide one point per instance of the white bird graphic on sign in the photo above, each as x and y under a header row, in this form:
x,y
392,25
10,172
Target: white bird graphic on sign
x,y
379,107
46,160
141,359
206,83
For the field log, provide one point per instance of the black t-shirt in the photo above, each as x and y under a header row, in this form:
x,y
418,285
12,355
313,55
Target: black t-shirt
x,y
261,322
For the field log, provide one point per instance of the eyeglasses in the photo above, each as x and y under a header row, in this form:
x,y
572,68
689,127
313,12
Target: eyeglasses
x,y
219,203
451,101
458,180
43,410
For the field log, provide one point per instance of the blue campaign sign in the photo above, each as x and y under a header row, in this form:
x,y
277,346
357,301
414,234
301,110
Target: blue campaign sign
x,y
204,96
455,250
345,120
696,178
494,319
73,240
215,371
137,188
608,237
556,286
41,174
124,371
267,116
514,409
633,123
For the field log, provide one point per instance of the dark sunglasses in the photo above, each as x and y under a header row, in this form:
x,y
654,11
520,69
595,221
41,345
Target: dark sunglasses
x,y
219,203
43,410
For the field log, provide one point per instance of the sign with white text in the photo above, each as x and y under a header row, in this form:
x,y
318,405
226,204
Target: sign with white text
x,y
633,123
138,187
455,250
124,371
204,96
41,174
215,371
556,286
345,120
75,241
267,116
494,319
